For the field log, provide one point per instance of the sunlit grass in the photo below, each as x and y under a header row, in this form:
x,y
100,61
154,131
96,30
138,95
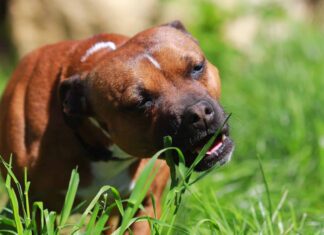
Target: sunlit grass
x,y
276,102
20,216
4,76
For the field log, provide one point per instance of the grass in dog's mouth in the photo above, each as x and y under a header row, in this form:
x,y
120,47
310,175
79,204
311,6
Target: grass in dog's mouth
x,y
211,149
216,145
220,148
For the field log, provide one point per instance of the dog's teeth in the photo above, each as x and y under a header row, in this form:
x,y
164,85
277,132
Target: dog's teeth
x,y
223,137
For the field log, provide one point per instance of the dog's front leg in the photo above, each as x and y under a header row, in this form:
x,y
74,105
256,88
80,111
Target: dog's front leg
x,y
156,189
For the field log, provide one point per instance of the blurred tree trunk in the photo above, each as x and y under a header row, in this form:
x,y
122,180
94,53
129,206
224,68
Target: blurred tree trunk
x,y
317,8
6,49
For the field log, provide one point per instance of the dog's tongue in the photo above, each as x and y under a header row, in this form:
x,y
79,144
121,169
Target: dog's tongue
x,y
214,148
218,143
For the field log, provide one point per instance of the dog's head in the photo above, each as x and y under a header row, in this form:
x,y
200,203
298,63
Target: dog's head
x,y
156,84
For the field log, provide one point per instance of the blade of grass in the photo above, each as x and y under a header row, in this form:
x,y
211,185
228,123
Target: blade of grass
x,y
265,185
50,218
255,218
100,225
14,205
302,222
93,203
170,161
8,167
27,218
5,231
280,204
153,204
37,206
269,224
8,222
69,198
92,221
141,187
204,221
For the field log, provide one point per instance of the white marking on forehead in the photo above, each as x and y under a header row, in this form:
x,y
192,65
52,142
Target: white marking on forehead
x,y
97,47
153,61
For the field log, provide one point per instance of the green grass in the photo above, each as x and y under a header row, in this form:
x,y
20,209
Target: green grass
x,y
20,216
4,76
277,102
276,99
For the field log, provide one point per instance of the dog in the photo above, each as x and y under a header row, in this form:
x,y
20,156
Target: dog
x,y
104,104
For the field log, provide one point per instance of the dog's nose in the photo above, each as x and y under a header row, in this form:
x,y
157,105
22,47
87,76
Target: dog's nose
x,y
199,115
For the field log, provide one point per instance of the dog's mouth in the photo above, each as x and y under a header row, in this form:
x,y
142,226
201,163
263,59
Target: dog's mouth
x,y
219,153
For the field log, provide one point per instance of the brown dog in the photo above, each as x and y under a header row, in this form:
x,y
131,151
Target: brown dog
x,y
89,103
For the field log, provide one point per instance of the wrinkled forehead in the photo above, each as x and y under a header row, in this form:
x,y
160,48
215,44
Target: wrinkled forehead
x,y
160,53
165,39
164,48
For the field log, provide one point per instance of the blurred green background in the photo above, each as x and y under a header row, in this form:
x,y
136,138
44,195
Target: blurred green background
x,y
271,58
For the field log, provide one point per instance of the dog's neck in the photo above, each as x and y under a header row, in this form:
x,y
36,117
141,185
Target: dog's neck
x,y
96,141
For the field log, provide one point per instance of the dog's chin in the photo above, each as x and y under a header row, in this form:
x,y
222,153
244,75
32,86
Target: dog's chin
x,y
219,153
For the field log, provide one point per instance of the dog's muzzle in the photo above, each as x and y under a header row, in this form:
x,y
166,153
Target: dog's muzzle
x,y
198,124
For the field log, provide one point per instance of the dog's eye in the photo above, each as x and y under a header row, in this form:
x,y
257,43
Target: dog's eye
x,y
146,101
197,69
138,102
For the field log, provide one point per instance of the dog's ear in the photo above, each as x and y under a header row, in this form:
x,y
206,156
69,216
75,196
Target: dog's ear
x,y
73,98
177,24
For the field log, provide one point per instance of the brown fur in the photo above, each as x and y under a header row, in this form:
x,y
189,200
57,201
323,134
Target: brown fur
x,y
32,126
